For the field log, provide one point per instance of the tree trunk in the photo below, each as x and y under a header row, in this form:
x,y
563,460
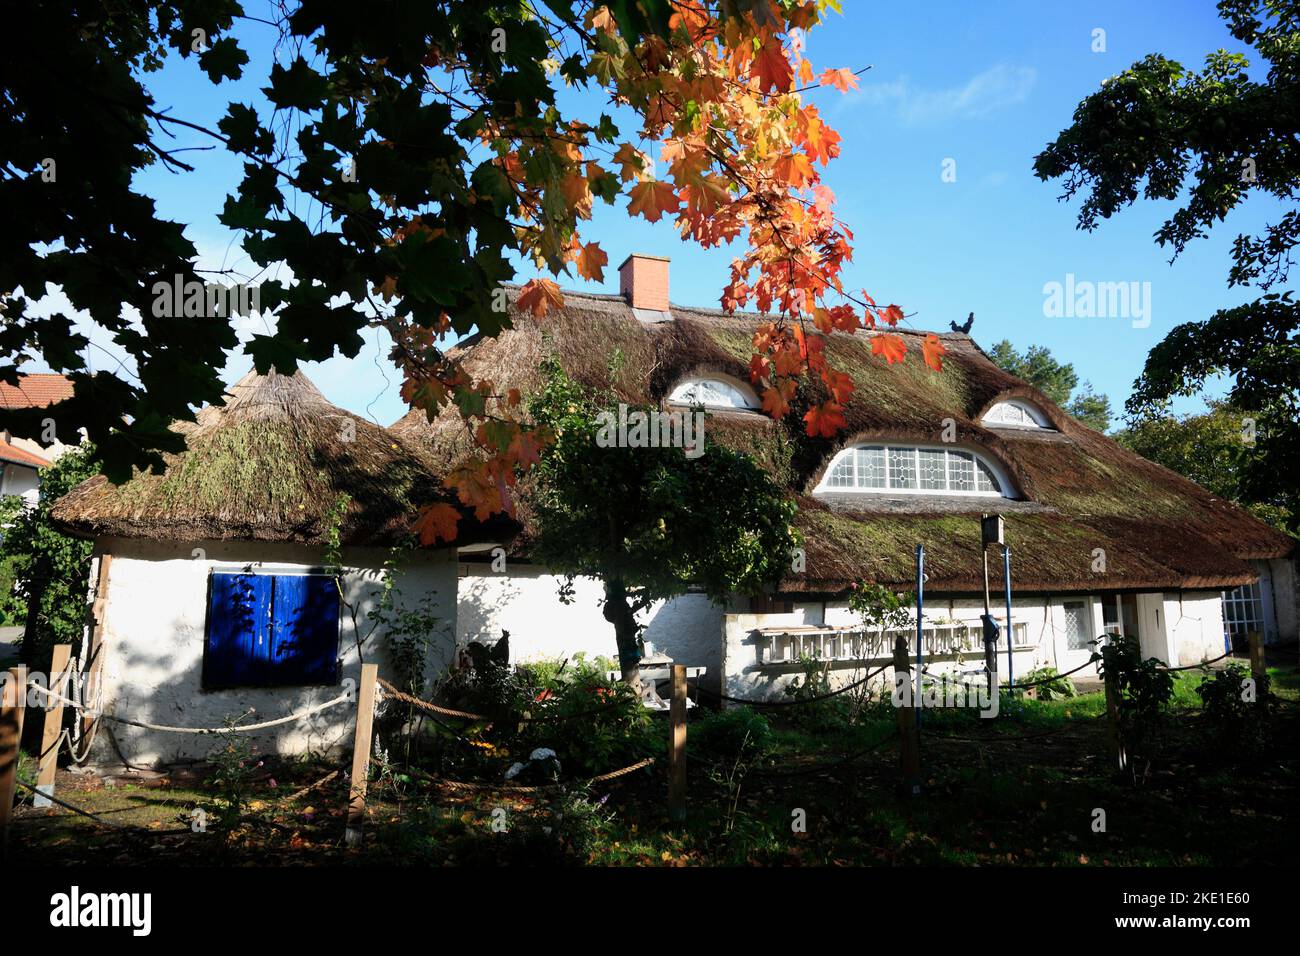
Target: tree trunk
x,y
618,611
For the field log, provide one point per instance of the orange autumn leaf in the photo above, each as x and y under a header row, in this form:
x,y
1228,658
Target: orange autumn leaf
x,y
632,161
932,350
437,522
795,168
892,347
773,67
652,199
592,261
539,297
892,314
824,420
842,79
776,400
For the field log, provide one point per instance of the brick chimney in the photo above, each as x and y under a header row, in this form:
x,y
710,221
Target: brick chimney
x,y
643,281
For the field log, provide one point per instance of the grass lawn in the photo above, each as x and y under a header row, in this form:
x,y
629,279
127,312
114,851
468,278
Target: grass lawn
x,y
1027,788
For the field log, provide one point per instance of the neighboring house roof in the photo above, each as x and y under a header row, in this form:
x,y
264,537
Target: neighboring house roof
x,y
267,465
1081,490
37,390
21,456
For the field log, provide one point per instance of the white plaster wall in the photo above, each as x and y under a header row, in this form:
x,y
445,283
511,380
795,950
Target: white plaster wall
x,y
155,624
525,601
1284,597
1194,624
20,480
1154,639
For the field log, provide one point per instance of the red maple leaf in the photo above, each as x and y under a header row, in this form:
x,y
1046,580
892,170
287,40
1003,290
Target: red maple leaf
x,y
540,296
825,420
437,522
932,350
892,347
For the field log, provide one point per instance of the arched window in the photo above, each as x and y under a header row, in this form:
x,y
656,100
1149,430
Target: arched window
x,y
714,392
914,470
1016,414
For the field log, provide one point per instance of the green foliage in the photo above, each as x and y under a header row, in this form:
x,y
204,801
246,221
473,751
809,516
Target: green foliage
x,y
232,773
1208,141
1054,379
1238,710
50,568
1062,688
880,608
1145,687
593,725
649,522
1091,408
1037,367
1215,449
13,607
730,734
345,86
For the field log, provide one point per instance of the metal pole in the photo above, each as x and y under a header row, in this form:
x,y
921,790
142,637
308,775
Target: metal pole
x,y
990,659
1006,571
920,640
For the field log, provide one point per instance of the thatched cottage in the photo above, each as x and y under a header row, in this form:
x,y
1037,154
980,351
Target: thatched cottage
x,y
212,598
1101,539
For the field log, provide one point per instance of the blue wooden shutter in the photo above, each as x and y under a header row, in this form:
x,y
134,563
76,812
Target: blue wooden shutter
x,y
238,650
305,629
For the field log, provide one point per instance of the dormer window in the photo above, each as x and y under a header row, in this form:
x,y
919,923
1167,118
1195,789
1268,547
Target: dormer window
x,y
1016,414
714,392
914,470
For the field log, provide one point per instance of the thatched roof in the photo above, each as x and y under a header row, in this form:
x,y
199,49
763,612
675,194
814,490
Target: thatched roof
x,y
1079,490
267,465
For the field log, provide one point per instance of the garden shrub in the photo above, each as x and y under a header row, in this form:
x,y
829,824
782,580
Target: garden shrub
x,y
1237,707
1059,688
728,734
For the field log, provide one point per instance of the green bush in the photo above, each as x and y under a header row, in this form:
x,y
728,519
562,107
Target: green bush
x,y
728,734
1060,688
1237,707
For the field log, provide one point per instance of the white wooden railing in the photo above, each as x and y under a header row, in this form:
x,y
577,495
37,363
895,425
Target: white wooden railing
x,y
788,645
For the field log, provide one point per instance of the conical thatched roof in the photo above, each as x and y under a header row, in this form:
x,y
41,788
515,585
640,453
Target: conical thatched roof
x,y
1078,490
267,465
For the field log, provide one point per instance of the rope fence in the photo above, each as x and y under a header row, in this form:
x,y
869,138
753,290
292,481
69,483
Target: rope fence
x,y
164,728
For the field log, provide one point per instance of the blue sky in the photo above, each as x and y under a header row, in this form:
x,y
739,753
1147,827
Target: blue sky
x,y
984,85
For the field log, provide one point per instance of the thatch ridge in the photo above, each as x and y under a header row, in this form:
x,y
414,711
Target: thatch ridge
x,y
268,464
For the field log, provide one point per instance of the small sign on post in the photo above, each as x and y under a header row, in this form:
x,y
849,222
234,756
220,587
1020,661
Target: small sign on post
x,y
361,754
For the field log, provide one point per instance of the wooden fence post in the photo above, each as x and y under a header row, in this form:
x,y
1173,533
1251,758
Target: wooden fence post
x,y
1258,669
1117,750
13,698
53,729
677,746
909,738
361,754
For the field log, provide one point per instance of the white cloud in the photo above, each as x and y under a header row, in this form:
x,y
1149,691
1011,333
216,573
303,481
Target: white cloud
x,y
994,89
